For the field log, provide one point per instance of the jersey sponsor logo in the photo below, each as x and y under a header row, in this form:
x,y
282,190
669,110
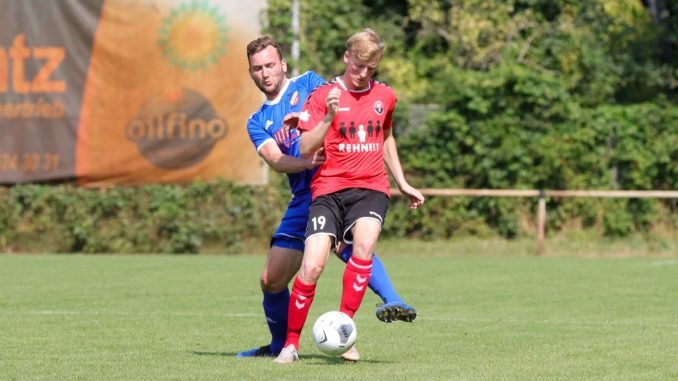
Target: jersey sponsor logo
x,y
362,135
294,100
350,131
344,109
359,136
357,147
304,116
378,107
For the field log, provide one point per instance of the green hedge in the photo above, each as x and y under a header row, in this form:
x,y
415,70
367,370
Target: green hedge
x,y
221,217
145,219
630,147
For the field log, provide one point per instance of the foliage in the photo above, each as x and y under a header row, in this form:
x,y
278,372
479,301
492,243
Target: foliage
x,y
326,42
538,94
146,219
533,94
325,26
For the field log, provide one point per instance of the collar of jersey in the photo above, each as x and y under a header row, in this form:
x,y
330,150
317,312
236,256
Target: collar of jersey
x,y
282,92
342,84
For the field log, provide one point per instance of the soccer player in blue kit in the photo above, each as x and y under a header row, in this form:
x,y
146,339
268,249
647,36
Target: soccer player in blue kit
x,y
273,132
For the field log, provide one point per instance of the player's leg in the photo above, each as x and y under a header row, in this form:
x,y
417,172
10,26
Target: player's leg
x,y
357,272
281,265
364,215
303,292
393,306
380,283
320,232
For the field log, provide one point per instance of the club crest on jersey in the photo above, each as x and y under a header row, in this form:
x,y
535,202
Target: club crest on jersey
x,y
378,107
294,100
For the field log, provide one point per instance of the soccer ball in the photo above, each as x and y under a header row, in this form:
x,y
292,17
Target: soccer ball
x,y
334,333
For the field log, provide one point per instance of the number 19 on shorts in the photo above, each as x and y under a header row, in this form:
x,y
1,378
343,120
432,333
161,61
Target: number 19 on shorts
x,y
318,223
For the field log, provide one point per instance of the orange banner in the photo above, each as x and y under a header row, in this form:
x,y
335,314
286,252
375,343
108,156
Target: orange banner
x,y
163,93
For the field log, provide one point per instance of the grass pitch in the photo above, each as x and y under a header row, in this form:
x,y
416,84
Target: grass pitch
x,y
66,317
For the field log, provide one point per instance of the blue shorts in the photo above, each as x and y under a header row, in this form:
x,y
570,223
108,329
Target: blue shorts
x,y
291,232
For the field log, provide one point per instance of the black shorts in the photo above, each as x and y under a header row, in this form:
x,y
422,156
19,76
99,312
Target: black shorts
x,y
335,214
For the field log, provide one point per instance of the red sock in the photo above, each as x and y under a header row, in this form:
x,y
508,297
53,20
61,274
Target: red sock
x,y
356,277
297,312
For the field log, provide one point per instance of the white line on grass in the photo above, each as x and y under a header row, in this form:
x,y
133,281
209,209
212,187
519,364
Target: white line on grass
x,y
665,262
120,313
620,323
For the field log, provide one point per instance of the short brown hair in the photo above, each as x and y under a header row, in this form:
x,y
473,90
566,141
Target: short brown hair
x,y
260,44
365,45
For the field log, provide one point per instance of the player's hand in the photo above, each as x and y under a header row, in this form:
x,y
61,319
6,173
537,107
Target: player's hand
x,y
332,101
291,120
318,158
416,198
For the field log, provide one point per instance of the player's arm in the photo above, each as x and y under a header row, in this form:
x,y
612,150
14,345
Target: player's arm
x,y
282,163
393,163
312,139
269,150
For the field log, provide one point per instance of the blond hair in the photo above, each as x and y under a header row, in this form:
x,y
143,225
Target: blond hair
x,y
365,46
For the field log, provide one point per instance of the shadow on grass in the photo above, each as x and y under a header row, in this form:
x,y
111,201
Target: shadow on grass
x,y
313,359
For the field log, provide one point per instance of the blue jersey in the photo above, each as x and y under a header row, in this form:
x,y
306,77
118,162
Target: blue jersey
x,y
265,125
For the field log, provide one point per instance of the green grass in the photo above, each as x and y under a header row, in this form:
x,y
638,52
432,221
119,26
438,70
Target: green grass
x,y
65,317
574,243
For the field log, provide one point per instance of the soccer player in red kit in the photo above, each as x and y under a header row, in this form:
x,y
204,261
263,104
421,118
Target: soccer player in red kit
x,y
350,117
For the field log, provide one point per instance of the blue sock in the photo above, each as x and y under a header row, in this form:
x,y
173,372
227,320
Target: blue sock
x,y
379,282
275,309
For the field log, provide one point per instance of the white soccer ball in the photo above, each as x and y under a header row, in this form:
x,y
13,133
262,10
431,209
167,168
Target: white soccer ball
x,y
334,332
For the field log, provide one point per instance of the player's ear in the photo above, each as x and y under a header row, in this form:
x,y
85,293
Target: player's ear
x,y
346,57
284,66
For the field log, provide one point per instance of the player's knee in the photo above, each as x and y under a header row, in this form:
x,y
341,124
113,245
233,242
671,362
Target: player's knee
x,y
310,273
272,285
363,249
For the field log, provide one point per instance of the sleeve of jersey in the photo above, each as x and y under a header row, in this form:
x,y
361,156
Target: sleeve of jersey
x,y
258,134
312,113
388,121
314,80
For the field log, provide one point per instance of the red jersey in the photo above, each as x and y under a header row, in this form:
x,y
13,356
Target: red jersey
x,y
354,143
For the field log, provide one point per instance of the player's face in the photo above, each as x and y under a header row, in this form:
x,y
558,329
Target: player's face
x,y
268,71
358,72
